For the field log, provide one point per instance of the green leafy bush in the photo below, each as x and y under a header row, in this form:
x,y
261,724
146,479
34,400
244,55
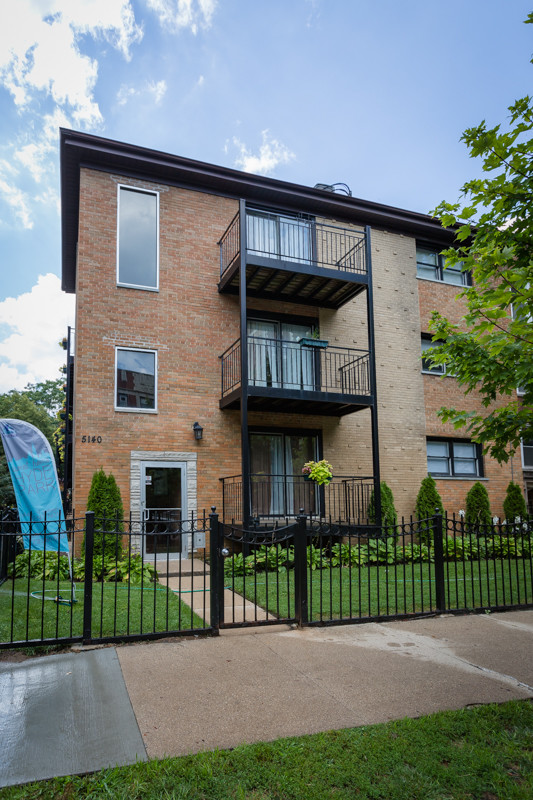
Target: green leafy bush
x,y
40,566
514,505
415,553
477,508
428,499
381,551
346,555
389,516
106,503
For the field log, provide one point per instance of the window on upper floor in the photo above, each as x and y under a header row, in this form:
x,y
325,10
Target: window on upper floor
x,y
431,265
527,453
454,458
135,379
428,366
138,238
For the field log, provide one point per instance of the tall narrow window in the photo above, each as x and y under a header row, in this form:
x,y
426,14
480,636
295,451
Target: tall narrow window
x,y
138,238
136,380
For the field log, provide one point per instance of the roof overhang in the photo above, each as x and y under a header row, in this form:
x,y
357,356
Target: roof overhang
x,y
85,150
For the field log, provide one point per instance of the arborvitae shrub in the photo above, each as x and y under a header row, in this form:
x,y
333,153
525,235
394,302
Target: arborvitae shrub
x,y
105,500
388,511
428,502
428,499
478,507
514,504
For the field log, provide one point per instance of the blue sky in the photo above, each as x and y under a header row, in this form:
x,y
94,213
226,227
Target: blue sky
x,y
374,94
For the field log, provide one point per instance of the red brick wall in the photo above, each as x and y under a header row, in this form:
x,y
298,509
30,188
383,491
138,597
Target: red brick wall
x,y
445,391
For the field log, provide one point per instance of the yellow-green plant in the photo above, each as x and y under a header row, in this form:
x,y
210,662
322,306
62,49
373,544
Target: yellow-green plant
x,y
320,472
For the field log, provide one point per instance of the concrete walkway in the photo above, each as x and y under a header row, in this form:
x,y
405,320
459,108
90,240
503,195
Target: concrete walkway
x,y
184,696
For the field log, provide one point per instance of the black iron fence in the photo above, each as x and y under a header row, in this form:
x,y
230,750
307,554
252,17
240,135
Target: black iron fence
x,y
118,580
278,497
302,366
312,242
125,579
322,572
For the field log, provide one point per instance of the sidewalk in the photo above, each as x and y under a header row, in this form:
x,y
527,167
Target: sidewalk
x,y
184,696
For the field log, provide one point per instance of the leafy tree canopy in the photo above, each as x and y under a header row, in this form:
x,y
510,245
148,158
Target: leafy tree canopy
x,y
492,352
48,394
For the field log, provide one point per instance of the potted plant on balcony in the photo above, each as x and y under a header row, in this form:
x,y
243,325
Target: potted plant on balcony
x,y
318,471
314,340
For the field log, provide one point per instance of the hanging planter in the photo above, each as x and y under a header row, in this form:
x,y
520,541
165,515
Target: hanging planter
x,y
307,341
319,472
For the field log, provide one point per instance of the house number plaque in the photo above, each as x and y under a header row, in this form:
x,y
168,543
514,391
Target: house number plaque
x,y
91,439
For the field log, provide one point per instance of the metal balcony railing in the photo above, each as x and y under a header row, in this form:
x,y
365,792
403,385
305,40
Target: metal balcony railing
x,y
301,241
276,364
345,499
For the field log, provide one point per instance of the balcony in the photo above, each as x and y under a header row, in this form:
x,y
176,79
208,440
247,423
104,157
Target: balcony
x,y
279,497
297,377
294,260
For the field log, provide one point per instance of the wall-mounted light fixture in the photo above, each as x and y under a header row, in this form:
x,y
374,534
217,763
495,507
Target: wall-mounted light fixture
x,y
198,431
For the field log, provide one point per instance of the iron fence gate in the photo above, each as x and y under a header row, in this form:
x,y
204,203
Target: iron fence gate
x,y
316,572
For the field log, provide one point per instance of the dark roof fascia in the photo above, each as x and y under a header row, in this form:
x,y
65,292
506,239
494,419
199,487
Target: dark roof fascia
x,y
81,149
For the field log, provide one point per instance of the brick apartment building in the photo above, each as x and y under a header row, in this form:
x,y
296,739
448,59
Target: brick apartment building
x,y
204,297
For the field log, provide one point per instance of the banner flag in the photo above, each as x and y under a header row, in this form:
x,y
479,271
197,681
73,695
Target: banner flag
x,y
34,475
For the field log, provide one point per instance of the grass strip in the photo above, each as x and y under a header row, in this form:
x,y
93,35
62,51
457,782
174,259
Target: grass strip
x,y
117,610
484,753
371,591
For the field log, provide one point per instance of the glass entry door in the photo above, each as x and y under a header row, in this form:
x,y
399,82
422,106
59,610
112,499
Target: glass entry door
x,y
164,508
276,460
275,357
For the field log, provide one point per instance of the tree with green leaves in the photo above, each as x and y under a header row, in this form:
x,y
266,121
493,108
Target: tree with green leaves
x,y
492,352
514,505
428,500
478,507
106,502
49,394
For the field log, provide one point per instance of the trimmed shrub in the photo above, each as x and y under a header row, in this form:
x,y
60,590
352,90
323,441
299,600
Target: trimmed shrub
x,y
428,502
106,502
514,504
388,511
428,499
478,507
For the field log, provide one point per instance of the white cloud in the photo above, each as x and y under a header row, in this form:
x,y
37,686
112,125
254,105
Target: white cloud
x,y
17,201
155,89
271,153
158,90
52,82
177,14
37,321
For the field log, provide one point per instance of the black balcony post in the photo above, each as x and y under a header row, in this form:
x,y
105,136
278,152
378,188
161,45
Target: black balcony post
x,y
373,382
245,448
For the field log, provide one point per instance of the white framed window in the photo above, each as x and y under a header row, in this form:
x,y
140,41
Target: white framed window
x,y
526,446
449,458
135,380
431,265
428,367
138,238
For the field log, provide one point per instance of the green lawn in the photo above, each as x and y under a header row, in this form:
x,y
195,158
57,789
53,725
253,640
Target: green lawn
x,y
342,593
483,753
151,609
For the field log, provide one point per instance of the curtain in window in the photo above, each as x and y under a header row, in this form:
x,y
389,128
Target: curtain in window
x,y
263,362
276,236
297,362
